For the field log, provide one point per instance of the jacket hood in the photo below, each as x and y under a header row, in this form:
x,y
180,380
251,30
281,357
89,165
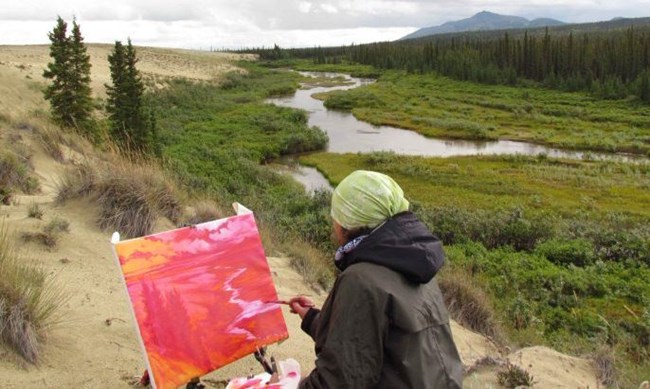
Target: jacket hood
x,y
404,244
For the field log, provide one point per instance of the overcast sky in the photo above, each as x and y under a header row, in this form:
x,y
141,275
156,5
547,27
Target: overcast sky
x,y
202,24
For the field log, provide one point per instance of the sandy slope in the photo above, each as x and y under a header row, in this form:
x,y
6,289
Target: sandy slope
x,y
96,346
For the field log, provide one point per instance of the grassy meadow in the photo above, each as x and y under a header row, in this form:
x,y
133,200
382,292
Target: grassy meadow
x,y
437,106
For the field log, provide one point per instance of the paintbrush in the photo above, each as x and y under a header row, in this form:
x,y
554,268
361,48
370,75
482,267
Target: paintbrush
x,y
285,302
277,302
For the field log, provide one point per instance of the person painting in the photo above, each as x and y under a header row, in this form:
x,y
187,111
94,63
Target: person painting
x,y
384,324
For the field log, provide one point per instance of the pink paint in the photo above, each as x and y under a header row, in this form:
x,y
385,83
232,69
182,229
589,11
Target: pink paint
x,y
198,296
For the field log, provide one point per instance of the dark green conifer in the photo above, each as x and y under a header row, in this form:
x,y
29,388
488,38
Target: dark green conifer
x,y
82,105
69,91
132,126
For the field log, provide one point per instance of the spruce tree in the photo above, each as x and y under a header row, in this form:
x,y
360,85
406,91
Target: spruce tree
x,y
116,96
132,126
82,104
58,91
69,91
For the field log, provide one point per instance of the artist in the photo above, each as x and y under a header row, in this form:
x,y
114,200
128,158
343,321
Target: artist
x,y
384,324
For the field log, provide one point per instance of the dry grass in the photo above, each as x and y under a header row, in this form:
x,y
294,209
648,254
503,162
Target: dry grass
x,y
310,264
203,211
79,181
513,376
49,235
51,139
605,364
15,175
130,195
468,304
29,302
34,211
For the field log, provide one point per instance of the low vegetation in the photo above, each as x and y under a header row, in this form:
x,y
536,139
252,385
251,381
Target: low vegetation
x,y
468,303
562,248
203,211
217,139
131,195
513,376
30,302
15,175
35,211
50,233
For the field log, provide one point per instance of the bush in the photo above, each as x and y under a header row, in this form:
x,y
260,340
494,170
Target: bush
x,y
520,313
29,302
513,376
77,182
132,196
510,227
579,252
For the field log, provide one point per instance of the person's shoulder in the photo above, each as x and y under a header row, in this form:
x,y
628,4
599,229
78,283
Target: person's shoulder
x,y
367,273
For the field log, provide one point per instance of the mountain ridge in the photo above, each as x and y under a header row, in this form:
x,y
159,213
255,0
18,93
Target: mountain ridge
x,y
483,21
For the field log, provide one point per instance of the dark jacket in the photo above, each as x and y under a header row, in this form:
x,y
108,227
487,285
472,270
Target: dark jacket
x,y
384,324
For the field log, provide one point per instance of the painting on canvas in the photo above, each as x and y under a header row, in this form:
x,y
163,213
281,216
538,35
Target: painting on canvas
x,y
200,297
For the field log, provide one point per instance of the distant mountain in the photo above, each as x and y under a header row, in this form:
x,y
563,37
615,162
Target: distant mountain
x,y
484,21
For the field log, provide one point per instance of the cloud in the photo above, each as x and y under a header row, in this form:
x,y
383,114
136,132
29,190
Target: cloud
x,y
198,35
289,23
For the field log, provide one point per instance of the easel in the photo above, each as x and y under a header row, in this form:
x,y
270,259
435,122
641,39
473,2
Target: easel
x,y
260,355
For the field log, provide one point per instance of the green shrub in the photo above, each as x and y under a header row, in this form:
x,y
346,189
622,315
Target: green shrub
x,y
578,252
491,228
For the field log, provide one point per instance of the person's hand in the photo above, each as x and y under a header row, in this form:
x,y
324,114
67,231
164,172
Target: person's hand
x,y
300,305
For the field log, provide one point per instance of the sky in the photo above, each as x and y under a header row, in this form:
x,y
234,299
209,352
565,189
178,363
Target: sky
x,y
233,24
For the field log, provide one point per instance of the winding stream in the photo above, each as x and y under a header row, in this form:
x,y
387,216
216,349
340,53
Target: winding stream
x,y
349,135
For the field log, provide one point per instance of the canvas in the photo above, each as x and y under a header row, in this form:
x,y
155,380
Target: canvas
x,y
200,296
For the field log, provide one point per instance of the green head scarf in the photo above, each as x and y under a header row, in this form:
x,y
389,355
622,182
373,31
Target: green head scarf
x,y
365,199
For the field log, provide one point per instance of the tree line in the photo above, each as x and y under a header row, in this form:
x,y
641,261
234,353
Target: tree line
x,y
131,125
611,64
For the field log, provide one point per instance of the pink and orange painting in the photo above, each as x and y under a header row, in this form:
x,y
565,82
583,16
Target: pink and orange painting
x,y
200,296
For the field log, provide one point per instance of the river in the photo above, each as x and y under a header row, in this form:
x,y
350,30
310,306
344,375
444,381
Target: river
x,y
347,134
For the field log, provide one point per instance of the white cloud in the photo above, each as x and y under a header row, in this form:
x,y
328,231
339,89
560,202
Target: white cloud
x,y
304,7
198,35
290,23
329,8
